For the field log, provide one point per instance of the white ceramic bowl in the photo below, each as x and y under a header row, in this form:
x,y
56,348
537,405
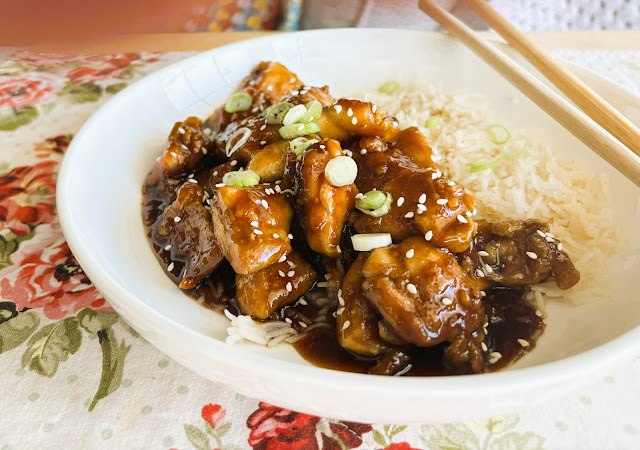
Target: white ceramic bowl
x,y
99,203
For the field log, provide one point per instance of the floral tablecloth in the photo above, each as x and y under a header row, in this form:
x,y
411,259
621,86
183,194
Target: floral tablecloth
x,y
74,375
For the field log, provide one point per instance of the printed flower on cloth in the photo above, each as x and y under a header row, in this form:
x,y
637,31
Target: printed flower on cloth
x,y
29,89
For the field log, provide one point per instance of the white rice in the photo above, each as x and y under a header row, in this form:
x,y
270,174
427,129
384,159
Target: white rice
x,y
574,202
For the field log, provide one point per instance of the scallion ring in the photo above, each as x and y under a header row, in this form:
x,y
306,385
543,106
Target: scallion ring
x,y
499,135
300,144
276,113
389,87
241,178
370,241
432,121
313,113
294,115
240,101
298,129
341,171
375,203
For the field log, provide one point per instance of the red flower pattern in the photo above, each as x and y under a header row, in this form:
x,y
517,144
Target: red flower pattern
x,y
213,414
99,67
46,276
274,428
27,197
29,89
54,145
42,59
400,446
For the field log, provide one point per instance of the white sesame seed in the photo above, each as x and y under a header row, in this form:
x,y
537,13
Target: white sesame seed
x,y
488,269
276,236
290,236
190,175
269,88
292,80
347,152
409,215
177,219
548,239
254,223
262,128
340,299
451,183
346,324
283,258
181,130
410,253
215,173
281,273
496,355
545,321
363,151
462,218
263,142
288,320
421,208
204,151
484,347
468,214
338,249
549,235
289,287
264,203
338,108
354,120
540,233
294,92
483,294
220,185
173,154
423,198
428,235
233,163
532,255
291,273
400,201
340,310
523,342
184,147
256,231
447,301
278,189
304,91
482,253
359,195
349,112
479,273
192,180
412,288
303,302
442,201
538,313
374,108
168,247
302,324
559,246
322,146
300,127
475,211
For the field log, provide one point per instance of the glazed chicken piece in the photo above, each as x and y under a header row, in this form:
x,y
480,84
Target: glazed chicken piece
x,y
242,140
323,207
251,226
413,144
348,118
361,335
262,293
424,201
269,163
185,148
426,298
517,252
210,177
271,79
192,239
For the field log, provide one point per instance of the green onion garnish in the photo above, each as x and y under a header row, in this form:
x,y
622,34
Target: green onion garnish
x,y
481,164
389,87
375,203
432,122
299,145
499,135
341,171
298,129
294,115
241,178
240,101
276,113
295,190
314,111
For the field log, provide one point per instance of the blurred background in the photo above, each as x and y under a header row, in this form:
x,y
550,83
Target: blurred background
x,y
34,21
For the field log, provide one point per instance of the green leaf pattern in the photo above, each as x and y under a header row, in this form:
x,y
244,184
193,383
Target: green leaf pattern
x,y
52,345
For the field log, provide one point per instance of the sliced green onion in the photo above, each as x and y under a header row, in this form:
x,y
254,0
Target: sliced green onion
x,y
370,241
294,115
240,101
481,164
432,122
499,135
375,203
341,171
293,191
299,145
298,129
276,113
389,87
313,113
241,178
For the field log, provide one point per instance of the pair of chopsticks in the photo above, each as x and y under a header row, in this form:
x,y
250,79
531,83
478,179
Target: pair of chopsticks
x,y
582,123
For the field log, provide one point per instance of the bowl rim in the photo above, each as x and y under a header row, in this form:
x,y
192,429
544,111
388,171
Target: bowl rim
x,y
508,380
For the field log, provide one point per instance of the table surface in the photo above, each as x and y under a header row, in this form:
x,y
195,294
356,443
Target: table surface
x,y
76,376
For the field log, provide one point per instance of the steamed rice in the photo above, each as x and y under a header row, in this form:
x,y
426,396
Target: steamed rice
x,y
534,184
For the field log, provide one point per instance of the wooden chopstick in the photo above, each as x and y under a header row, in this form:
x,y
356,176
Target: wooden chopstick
x,y
565,113
573,87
